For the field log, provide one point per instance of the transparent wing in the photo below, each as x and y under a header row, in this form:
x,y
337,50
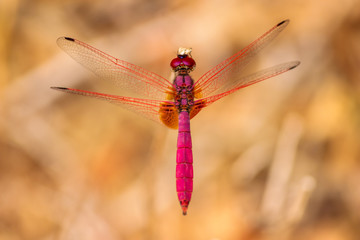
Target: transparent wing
x,y
147,108
126,75
251,79
220,78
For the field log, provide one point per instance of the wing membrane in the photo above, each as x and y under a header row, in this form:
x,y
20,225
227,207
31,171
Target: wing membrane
x,y
219,79
145,107
126,75
252,79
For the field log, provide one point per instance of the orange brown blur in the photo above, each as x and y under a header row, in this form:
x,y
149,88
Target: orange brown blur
x,y
276,160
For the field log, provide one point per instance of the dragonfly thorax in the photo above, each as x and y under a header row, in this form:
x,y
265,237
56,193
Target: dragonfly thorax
x,y
184,97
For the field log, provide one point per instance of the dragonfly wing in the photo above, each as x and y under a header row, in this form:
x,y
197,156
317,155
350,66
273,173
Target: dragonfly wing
x,y
218,79
126,75
150,109
249,80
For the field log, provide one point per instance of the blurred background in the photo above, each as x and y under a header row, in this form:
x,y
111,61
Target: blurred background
x,y
277,160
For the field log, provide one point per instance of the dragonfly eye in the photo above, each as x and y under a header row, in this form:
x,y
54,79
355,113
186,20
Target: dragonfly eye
x,y
183,62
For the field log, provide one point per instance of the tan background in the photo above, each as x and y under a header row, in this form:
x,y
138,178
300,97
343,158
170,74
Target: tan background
x,y
278,160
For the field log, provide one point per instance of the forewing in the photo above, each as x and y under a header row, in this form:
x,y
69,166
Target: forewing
x,y
126,75
219,79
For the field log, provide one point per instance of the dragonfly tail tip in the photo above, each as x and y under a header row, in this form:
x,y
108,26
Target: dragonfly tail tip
x,y
184,205
184,211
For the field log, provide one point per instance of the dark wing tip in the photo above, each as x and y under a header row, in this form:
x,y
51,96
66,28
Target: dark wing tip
x,y
59,88
295,65
281,23
69,39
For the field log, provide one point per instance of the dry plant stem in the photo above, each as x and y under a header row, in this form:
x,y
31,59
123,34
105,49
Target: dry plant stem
x,y
273,204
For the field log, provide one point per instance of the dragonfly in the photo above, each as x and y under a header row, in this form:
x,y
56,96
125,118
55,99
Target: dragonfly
x,y
174,103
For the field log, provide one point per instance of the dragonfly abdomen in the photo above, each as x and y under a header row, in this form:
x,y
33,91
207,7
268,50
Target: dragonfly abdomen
x,y
184,160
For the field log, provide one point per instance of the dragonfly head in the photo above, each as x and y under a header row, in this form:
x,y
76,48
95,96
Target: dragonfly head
x,y
183,61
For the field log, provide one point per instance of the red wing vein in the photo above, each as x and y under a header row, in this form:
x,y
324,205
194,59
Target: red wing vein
x,y
147,108
252,79
219,80
126,75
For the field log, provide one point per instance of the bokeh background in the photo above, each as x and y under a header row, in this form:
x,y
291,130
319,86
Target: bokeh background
x,y
277,160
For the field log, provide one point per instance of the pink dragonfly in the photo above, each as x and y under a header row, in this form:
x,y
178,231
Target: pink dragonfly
x,y
173,103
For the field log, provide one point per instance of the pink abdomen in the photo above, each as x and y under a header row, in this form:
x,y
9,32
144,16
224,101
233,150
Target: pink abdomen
x,y
184,160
